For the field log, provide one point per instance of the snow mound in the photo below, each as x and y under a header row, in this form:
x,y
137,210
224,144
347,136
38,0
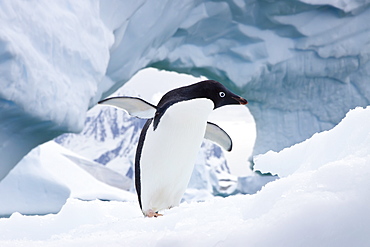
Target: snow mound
x,y
350,138
83,184
30,189
51,174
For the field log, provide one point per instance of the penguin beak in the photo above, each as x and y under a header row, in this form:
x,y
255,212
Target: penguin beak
x,y
241,100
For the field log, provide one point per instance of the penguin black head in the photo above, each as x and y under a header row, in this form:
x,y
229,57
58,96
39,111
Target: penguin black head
x,y
209,89
219,94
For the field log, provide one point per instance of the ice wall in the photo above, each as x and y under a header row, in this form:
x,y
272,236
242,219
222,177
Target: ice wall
x,y
52,56
301,64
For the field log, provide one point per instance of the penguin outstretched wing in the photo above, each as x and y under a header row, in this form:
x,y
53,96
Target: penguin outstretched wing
x,y
134,106
216,134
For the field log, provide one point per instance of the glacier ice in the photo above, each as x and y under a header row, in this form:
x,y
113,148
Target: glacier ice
x,y
301,64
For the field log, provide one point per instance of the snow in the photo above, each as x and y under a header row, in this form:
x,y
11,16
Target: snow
x,y
31,190
348,139
57,161
316,204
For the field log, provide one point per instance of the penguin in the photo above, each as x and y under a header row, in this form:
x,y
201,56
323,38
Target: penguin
x,y
171,138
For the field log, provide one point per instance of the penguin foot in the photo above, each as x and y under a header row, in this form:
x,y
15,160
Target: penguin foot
x,y
151,214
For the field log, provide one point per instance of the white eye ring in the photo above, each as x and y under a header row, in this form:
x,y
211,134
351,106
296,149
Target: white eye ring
x,y
222,94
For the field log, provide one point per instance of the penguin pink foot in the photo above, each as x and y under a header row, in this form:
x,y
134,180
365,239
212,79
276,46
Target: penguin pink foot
x,y
151,214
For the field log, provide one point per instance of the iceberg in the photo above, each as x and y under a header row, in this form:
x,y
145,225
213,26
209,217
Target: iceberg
x,y
301,64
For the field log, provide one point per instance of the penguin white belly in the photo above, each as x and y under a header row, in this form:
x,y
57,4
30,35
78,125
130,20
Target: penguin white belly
x,y
169,153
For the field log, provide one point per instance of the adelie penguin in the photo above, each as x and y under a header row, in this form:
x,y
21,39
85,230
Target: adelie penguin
x,y
171,139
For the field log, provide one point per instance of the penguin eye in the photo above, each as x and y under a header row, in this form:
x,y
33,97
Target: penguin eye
x,y
222,94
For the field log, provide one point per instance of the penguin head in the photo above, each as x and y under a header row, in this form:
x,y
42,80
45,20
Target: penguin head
x,y
219,94
209,89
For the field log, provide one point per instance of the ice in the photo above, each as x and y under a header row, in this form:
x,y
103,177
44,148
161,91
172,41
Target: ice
x,y
52,54
301,64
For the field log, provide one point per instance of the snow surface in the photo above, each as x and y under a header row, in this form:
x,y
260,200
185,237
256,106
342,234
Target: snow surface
x,y
350,138
301,64
30,189
323,204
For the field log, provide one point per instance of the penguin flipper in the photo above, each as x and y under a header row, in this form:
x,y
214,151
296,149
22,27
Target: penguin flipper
x,y
216,134
134,106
